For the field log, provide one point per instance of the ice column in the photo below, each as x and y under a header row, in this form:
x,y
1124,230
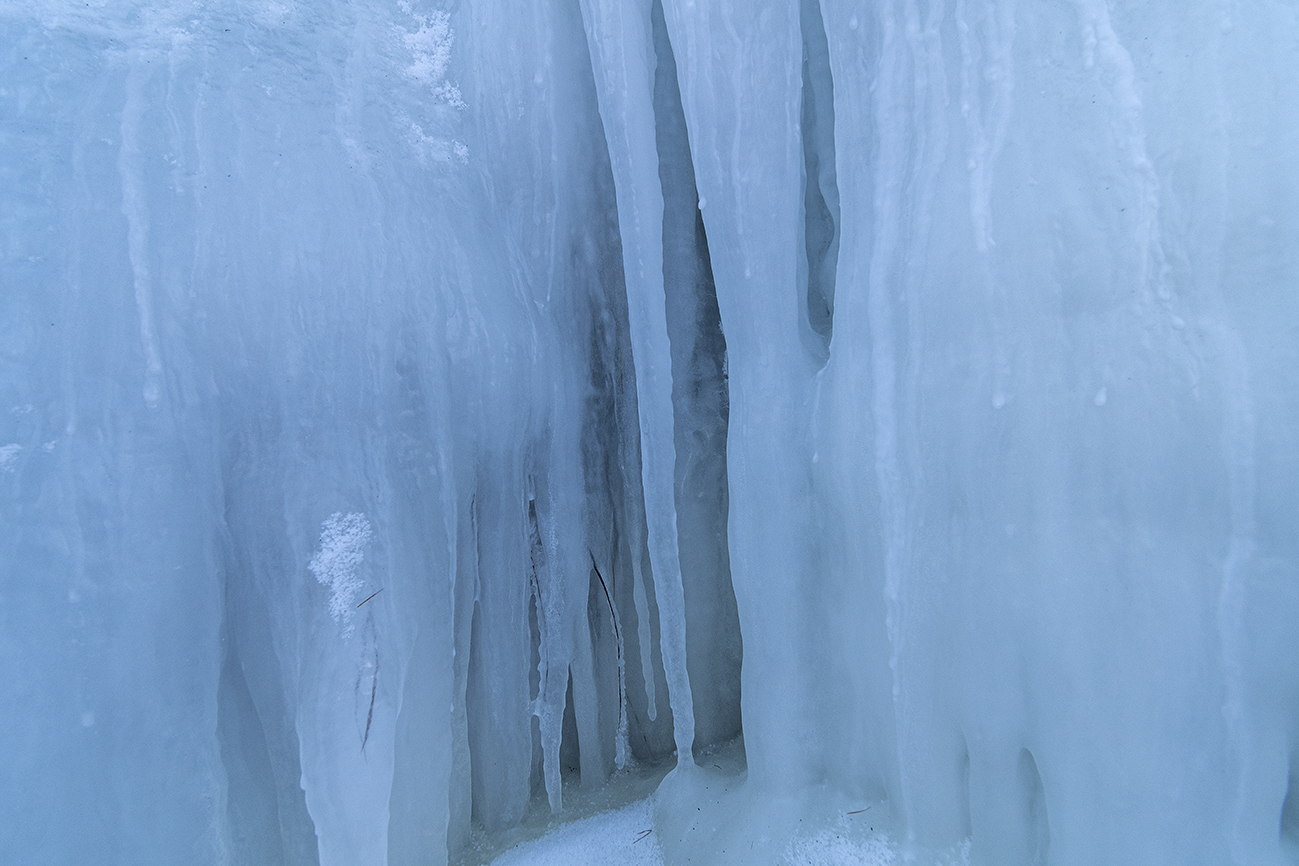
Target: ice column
x,y
739,71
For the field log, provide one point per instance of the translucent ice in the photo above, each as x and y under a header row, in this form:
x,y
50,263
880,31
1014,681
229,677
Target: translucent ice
x,y
414,413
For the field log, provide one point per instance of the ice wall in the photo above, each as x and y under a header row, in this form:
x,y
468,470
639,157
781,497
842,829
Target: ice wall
x,y
321,461
406,407
1005,559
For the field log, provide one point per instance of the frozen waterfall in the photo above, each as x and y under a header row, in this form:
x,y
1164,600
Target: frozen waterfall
x,y
418,415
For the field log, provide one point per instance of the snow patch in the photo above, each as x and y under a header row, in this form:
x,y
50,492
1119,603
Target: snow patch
x,y
9,457
343,540
617,837
430,52
833,847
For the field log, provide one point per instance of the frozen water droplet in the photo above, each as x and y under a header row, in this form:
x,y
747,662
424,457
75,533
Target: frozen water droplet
x,y
852,23
1101,398
703,202
998,400
87,720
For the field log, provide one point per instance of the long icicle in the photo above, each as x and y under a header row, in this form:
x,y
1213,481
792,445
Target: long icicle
x,y
620,43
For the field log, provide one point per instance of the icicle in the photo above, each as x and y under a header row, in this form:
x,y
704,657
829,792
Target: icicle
x,y
621,52
552,666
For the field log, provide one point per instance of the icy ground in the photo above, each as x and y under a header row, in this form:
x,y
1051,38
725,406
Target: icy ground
x,y
626,838
623,837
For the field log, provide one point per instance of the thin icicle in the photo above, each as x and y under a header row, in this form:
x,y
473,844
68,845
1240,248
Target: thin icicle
x,y
552,664
641,599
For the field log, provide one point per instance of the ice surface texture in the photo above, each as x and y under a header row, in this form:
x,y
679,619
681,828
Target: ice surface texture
x,y
409,409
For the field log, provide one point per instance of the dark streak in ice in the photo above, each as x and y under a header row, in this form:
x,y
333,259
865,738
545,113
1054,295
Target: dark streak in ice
x,y
374,687
613,616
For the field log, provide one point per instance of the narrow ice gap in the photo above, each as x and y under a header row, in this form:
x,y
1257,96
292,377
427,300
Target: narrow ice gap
x,y
821,193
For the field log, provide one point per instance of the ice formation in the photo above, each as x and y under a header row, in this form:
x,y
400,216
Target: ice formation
x,y
411,410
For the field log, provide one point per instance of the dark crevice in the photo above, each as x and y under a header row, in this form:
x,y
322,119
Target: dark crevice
x,y
820,185
570,755
701,407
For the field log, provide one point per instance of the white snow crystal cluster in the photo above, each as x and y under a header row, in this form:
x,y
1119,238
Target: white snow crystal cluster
x,y
337,564
421,51
430,53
